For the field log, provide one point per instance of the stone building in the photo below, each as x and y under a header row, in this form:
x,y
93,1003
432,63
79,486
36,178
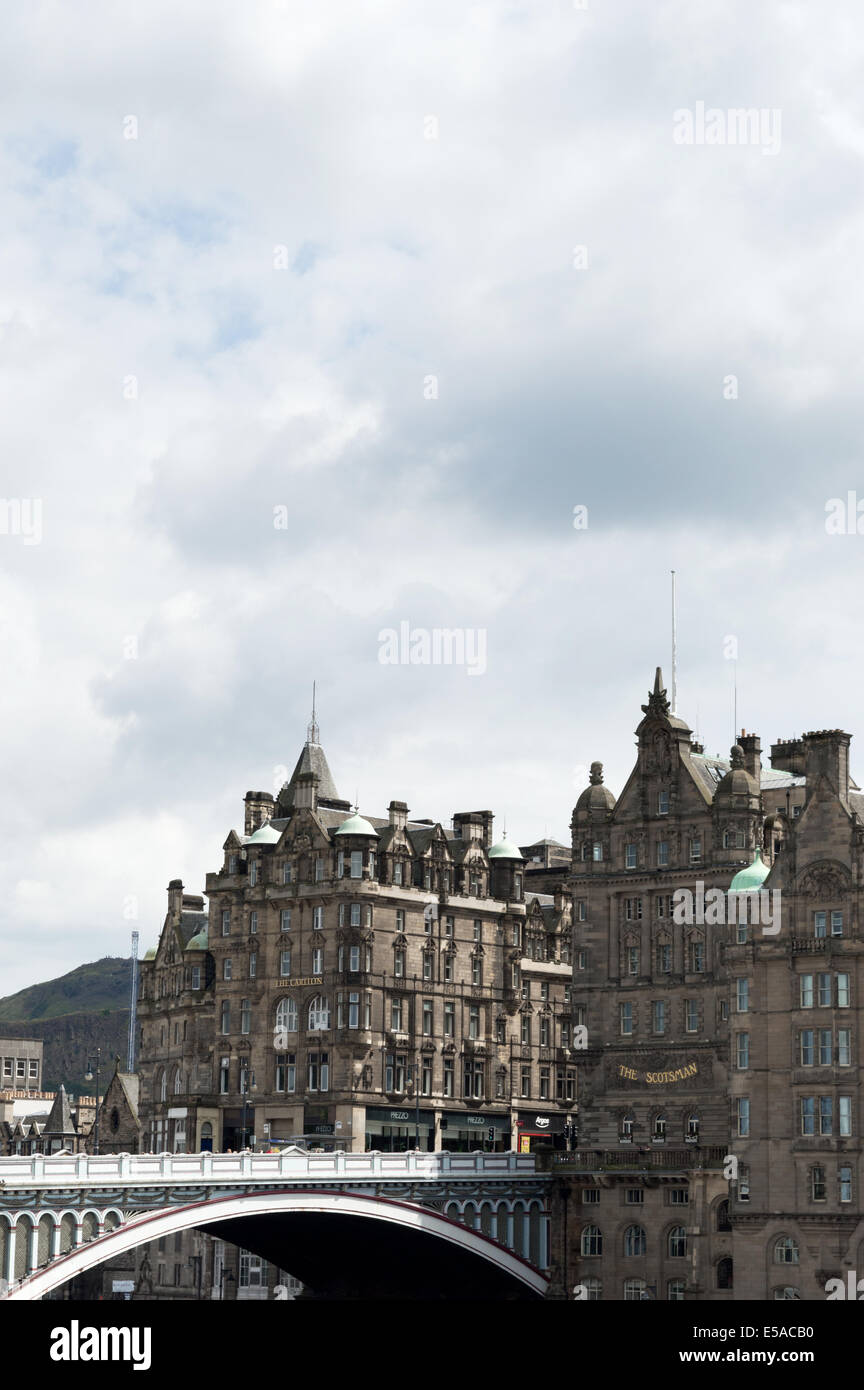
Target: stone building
x,y
119,1125
719,1151
21,1064
358,980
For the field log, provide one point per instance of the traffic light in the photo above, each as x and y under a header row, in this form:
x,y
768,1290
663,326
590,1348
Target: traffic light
x,y
490,1134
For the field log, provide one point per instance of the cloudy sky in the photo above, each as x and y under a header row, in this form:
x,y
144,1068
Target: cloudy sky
x,y
317,319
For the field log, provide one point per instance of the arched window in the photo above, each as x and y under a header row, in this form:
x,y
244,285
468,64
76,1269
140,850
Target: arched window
x,y
677,1242
723,1222
724,1274
319,1014
634,1240
592,1241
163,1086
178,1082
786,1251
659,1128
286,1016
627,1126
692,1130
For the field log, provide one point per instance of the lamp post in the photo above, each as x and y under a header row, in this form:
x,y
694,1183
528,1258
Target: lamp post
x,y
88,1076
415,1082
248,1084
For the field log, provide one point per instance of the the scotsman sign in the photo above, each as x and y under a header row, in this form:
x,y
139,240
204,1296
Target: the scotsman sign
x,y
659,1078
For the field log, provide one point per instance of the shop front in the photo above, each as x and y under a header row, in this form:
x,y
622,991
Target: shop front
x,y
462,1132
536,1130
392,1131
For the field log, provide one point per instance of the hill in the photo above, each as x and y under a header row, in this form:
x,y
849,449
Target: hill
x,y
73,1015
102,984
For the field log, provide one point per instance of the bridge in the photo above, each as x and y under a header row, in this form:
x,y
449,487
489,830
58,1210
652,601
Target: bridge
x,y
388,1225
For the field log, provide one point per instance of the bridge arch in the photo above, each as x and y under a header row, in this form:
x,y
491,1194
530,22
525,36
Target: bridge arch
x,y
309,1206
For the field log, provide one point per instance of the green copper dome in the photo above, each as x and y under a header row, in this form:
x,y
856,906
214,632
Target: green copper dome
x,y
356,825
505,850
264,835
749,879
199,941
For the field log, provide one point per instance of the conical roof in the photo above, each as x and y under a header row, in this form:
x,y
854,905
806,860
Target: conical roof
x,y
60,1119
311,759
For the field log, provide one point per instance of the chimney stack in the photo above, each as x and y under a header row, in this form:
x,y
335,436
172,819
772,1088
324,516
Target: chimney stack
x,y
175,900
826,754
306,796
398,814
787,755
258,808
752,746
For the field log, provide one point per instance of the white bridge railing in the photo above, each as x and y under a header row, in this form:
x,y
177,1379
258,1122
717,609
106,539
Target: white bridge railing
x,y
204,1169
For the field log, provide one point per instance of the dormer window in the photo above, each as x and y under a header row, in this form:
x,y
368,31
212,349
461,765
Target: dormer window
x,y
356,863
397,872
232,863
597,854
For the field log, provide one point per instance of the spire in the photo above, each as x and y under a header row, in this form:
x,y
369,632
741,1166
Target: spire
x,y
313,734
60,1119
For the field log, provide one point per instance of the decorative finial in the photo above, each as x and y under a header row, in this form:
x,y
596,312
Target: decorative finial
x,y
657,702
596,777
312,732
736,754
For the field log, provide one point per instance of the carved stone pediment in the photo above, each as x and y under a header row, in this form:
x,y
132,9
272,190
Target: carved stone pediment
x,y
826,880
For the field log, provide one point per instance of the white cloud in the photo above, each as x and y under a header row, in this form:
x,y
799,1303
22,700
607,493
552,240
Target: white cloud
x,y
165,386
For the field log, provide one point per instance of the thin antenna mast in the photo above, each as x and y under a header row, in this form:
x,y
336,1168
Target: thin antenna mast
x,y
133,1010
674,650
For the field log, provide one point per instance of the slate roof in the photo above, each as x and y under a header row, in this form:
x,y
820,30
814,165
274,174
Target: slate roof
x,y
311,759
60,1120
190,925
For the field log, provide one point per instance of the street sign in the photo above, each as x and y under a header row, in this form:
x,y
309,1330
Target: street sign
x,y
123,1285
